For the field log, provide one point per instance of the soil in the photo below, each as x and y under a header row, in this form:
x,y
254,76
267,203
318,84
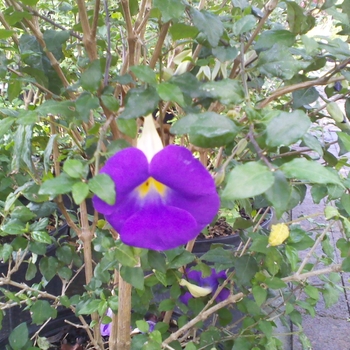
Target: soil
x,y
220,229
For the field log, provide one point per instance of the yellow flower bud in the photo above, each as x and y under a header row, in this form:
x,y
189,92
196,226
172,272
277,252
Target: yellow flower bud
x,y
195,291
279,233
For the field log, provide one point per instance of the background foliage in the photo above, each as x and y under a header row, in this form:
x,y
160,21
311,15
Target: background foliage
x,y
250,87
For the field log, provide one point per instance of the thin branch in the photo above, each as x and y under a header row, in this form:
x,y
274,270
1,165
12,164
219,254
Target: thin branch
x,y
109,54
49,20
269,8
304,85
88,40
311,251
158,49
95,19
130,30
232,299
7,26
257,148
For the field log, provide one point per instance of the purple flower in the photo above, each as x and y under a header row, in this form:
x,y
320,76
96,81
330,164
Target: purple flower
x,y
105,329
207,285
163,200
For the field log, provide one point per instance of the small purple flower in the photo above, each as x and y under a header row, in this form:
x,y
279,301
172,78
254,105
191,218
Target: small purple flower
x,y
210,283
163,200
105,329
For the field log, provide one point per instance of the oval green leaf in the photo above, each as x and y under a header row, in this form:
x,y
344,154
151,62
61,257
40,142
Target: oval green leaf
x,y
248,180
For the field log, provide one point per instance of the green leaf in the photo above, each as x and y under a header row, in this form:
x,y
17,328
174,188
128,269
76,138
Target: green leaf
x,y
19,337
127,127
260,294
293,256
218,256
248,180
103,186
181,31
91,78
145,74
223,53
48,267
310,171
312,292
14,88
5,34
64,254
345,265
344,143
110,102
85,103
41,237
304,97
64,109
226,91
157,260
245,268
166,305
134,276
279,193
142,325
87,307
269,38
170,9
207,129
287,128
298,22
59,185
208,24
54,39
80,191
125,255
171,92
140,102
5,125
330,295
313,143
244,24
42,311
74,168
279,62
48,152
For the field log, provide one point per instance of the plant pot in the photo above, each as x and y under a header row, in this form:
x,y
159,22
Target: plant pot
x,y
202,245
16,314
56,330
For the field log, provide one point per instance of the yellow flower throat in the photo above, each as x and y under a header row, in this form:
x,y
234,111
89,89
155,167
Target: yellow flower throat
x,y
151,184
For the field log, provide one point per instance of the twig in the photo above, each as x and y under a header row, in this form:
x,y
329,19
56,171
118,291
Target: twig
x,y
236,297
130,31
158,49
290,88
269,8
317,242
49,20
88,40
257,148
109,54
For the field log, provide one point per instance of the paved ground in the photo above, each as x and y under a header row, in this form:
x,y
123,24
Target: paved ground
x,y
330,328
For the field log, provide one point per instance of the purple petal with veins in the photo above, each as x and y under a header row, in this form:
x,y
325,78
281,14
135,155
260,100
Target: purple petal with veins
x,y
160,205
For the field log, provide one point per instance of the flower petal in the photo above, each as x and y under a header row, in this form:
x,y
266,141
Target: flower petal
x,y
176,168
202,208
128,169
149,142
158,227
195,290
